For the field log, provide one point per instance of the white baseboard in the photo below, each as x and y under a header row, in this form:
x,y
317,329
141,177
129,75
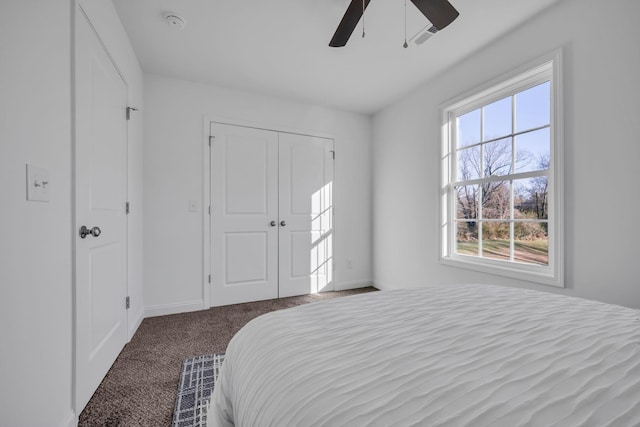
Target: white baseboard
x,y
135,324
184,307
70,420
181,307
353,285
380,286
384,287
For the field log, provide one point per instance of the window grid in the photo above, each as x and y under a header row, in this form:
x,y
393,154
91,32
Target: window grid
x,y
514,134
525,244
480,220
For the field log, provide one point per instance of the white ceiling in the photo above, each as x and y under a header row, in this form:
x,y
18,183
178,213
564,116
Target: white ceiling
x,y
280,47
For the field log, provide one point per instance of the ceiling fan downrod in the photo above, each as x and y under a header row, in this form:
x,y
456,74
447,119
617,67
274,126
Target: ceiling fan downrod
x,y
363,7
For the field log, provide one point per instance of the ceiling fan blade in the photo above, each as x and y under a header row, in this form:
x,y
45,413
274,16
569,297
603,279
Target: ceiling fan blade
x,y
439,12
348,23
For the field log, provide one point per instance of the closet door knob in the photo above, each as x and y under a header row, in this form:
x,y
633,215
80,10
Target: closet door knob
x,y
273,223
282,223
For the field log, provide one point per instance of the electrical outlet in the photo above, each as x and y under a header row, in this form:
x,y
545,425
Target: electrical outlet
x,y
349,264
193,206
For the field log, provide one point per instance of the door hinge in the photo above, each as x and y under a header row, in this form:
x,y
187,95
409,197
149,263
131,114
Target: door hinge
x,y
129,109
128,303
126,208
209,278
211,137
209,209
333,154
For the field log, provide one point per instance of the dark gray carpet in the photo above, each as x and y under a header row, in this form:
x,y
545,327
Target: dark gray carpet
x,y
140,388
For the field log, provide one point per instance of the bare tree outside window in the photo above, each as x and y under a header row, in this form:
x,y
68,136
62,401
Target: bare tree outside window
x,y
508,215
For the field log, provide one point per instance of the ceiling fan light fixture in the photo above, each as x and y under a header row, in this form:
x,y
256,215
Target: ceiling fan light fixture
x,y
424,35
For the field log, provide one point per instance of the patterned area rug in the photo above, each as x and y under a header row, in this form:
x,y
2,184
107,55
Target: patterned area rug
x,y
197,380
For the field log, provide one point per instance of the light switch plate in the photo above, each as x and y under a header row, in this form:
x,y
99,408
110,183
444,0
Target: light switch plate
x,y
37,184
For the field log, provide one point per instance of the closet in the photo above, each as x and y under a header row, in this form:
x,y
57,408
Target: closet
x,y
271,214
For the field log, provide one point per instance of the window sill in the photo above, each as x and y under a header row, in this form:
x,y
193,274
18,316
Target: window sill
x,y
530,273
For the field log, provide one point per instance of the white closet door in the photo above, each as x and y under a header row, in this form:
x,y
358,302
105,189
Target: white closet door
x,y
101,190
305,214
244,214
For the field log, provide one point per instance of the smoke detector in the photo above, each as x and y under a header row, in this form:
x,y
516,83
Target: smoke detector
x,y
175,21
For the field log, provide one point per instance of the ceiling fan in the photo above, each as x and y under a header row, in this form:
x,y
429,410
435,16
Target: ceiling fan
x,y
439,12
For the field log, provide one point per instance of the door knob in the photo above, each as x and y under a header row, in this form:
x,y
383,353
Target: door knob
x,y
84,232
273,223
282,223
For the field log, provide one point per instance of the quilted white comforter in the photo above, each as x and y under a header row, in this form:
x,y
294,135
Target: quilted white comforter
x,y
459,355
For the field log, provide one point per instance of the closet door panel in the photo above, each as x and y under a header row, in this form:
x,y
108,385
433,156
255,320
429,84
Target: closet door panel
x,y
306,214
244,205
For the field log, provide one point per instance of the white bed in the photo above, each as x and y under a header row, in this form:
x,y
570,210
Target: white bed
x,y
458,355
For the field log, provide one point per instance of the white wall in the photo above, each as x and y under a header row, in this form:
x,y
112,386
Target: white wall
x,y
173,175
602,154
35,237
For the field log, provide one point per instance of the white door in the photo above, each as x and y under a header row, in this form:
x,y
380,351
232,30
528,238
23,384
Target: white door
x,y
244,214
271,214
101,188
305,214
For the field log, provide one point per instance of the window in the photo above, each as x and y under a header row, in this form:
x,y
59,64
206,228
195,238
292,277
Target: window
x,y
501,204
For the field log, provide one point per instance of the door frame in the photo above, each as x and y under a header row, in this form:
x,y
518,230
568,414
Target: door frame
x,y
79,13
206,184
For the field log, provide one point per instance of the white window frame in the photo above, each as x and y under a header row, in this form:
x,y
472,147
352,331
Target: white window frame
x,y
546,68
